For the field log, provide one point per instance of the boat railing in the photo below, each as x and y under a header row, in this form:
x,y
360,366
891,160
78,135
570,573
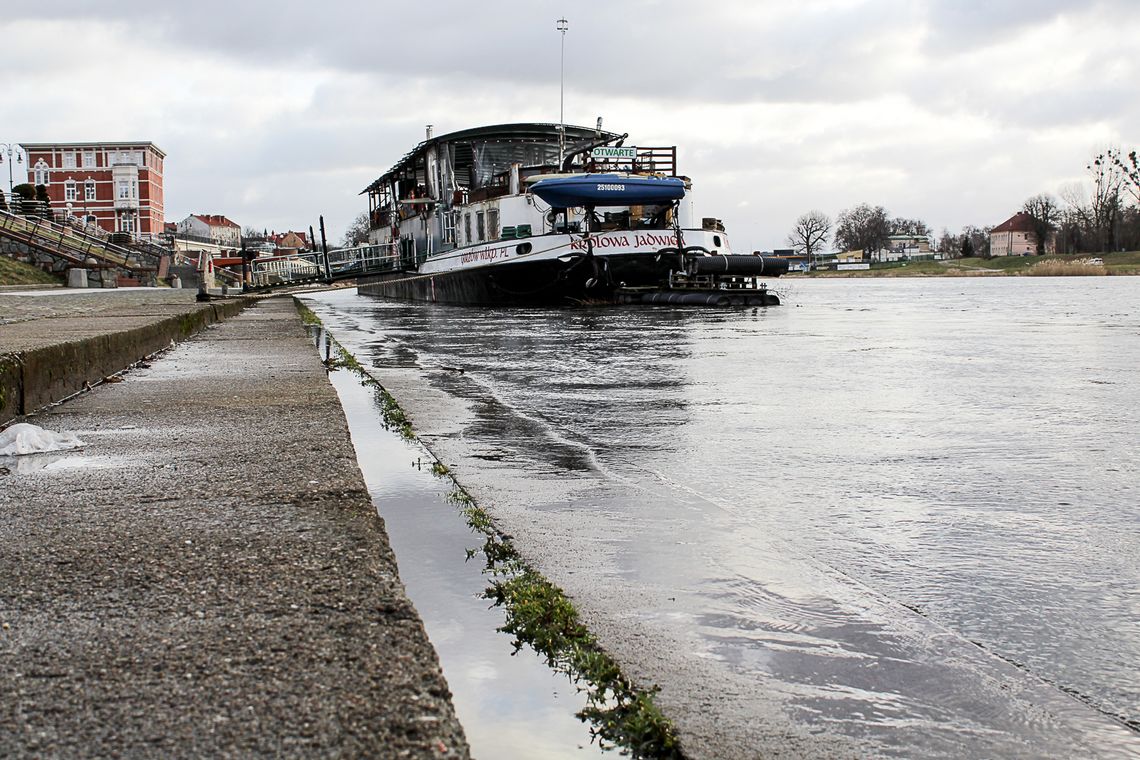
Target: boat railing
x,y
649,160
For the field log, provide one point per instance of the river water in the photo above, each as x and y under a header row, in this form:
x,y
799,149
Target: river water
x,y
890,517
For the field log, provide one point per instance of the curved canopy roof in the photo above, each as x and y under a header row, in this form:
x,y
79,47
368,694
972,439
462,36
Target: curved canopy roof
x,y
521,132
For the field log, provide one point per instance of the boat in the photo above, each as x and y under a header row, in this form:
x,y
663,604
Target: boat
x,y
548,214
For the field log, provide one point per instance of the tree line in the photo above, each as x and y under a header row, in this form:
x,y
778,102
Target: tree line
x,y
1098,216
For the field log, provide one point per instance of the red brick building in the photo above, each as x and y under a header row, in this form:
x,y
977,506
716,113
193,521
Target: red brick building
x,y
117,185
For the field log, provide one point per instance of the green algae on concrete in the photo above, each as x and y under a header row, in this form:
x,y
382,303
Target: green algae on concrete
x,y
538,613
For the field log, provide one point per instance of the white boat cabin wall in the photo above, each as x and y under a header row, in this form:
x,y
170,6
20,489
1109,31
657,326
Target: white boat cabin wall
x,y
470,188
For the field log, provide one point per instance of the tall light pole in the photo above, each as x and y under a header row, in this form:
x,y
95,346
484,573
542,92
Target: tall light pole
x,y
8,148
562,26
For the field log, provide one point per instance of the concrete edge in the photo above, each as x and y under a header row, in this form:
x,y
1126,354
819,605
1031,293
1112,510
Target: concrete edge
x,y
31,380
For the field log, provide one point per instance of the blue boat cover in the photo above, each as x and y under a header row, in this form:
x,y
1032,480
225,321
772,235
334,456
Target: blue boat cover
x,y
608,190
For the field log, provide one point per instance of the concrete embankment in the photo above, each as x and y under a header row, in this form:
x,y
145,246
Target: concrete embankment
x,y
55,344
208,576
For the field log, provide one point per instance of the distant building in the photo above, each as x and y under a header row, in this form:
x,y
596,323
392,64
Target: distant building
x,y
215,228
116,185
289,242
1015,237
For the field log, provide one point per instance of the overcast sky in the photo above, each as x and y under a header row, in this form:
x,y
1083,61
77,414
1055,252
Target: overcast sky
x,y
271,113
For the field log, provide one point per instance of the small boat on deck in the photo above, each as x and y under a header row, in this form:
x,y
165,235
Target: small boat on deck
x,y
546,214
608,190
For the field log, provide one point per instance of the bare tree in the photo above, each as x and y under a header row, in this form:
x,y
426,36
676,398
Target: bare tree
x,y
862,227
914,227
1106,205
949,245
1128,167
1046,214
357,232
811,233
975,241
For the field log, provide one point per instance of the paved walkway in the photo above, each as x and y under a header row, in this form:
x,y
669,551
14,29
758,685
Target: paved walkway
x,y
208,577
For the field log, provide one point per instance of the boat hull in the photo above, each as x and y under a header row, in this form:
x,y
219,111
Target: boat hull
x,y
543,282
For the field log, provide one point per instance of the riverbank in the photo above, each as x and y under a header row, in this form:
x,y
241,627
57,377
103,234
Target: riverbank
x,y
1127,263
208,576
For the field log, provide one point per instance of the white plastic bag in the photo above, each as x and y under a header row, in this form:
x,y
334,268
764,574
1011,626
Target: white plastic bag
x,y
23,438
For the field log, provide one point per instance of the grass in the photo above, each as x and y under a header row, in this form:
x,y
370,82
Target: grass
x,y
1126,263
14,272
539,615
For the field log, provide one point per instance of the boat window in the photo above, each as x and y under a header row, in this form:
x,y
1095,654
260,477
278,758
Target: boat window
x,y
716,240
493,224
467,229
522,249
481,225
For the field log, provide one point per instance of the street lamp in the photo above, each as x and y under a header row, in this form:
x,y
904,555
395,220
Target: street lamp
x,y
9,148
562,25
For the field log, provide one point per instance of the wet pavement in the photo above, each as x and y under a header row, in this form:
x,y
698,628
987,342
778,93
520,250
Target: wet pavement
x,y
207,576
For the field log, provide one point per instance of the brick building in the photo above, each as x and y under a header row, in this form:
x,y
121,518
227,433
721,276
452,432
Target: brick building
x,y
117,185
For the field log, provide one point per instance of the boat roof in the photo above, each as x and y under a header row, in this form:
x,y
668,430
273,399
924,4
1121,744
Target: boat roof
x,y
519,132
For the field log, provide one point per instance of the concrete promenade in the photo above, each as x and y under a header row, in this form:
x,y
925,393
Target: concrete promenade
x,y
207,577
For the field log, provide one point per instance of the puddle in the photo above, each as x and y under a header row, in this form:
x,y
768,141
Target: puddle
x,y
53,461
510,705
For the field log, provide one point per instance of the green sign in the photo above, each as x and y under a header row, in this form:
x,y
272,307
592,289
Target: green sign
x,y
614,153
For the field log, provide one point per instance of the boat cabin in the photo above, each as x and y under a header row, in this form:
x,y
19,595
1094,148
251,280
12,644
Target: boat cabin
x,y
473,186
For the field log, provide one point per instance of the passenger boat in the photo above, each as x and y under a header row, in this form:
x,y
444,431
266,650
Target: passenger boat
x,y
548,214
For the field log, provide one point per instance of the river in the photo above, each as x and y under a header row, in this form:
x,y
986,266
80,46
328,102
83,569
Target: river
x,y
890,517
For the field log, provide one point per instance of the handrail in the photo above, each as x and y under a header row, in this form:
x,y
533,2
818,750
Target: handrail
x,y
56,238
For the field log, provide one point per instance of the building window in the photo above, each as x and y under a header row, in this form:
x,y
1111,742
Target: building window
x,y
40,173
89,190
70,192
124,189
88,159
69,160
127,223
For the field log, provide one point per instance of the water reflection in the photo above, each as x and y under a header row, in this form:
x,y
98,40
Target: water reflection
x,y
509,706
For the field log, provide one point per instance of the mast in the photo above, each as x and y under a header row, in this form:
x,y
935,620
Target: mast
x,y
562,25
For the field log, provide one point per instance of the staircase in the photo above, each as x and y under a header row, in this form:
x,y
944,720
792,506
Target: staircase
x,y
58,247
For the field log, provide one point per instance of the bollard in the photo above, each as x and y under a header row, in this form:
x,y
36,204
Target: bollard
x,y
76,277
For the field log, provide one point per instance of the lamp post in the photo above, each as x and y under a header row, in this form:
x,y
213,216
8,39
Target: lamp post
x,y
562,25
9,148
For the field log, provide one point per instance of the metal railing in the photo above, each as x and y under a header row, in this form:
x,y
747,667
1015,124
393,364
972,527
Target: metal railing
x,y
69,242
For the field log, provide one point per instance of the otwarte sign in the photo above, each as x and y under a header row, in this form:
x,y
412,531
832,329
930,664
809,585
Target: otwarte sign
x,y
613,153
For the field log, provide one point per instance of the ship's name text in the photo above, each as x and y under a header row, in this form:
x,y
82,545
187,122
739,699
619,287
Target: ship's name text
x,y
637,240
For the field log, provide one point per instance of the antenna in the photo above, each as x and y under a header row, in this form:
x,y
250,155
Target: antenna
x,y
562,25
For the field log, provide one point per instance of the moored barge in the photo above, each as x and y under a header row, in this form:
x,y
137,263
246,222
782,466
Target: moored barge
x,y
507,214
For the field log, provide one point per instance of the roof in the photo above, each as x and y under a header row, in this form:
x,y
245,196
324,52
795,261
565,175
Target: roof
x,y
79,145
215,220
520,132
1019,222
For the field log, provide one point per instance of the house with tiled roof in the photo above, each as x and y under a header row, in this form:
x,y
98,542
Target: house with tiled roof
x,y
289,242
214,227
1016,237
